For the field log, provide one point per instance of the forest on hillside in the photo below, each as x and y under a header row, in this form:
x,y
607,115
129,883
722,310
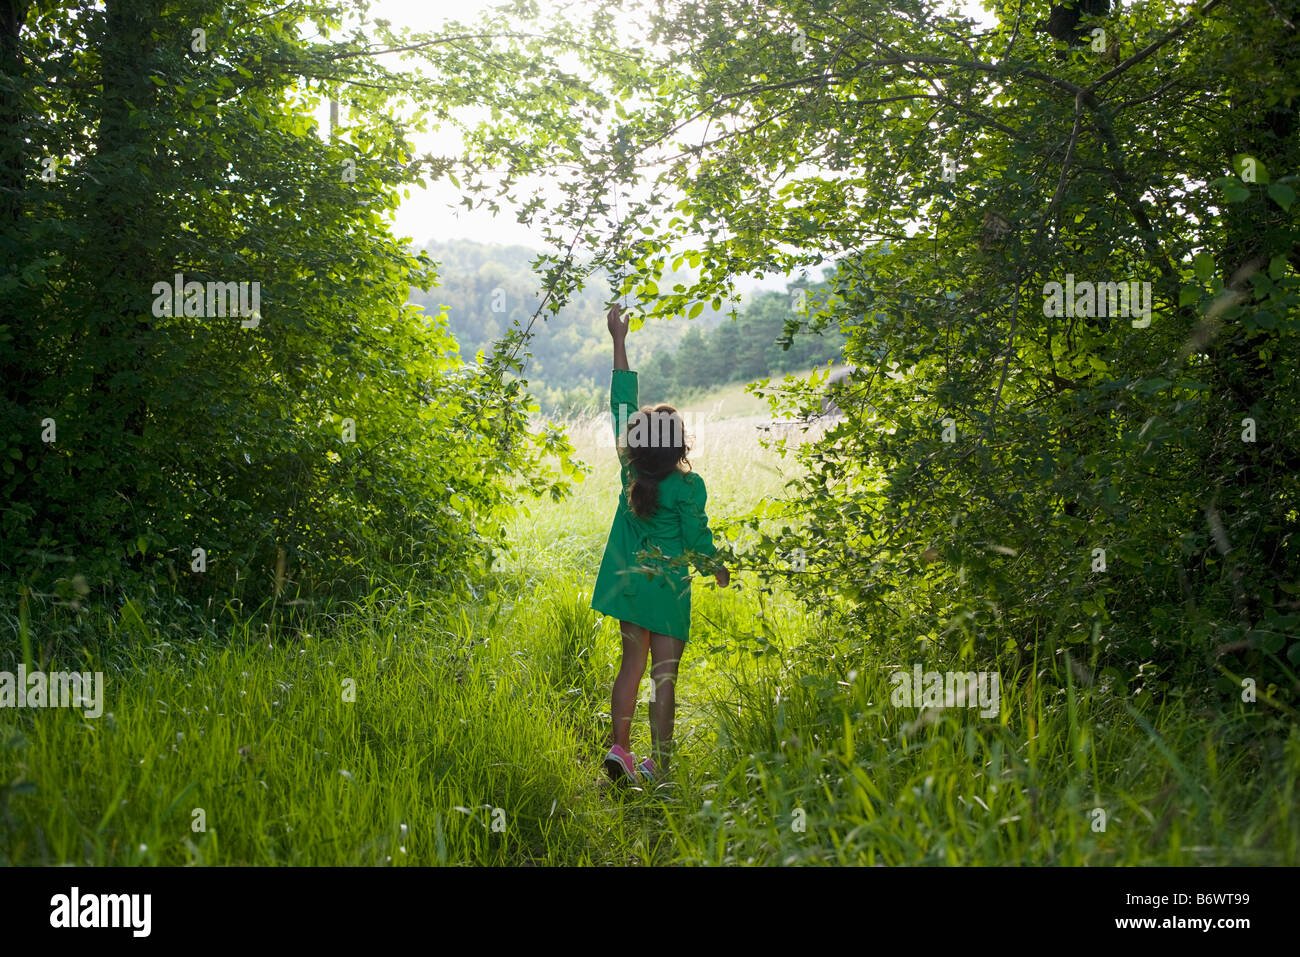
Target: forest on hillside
x,y
488,289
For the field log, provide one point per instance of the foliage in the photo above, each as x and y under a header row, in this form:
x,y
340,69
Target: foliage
x,y
993,446
336,428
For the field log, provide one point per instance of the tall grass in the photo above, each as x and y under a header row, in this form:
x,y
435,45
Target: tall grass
x,y
406,729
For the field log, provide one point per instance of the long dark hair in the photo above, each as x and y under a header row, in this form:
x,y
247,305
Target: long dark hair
x,y
656,447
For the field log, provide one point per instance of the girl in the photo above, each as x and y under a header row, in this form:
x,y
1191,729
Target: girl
x,y
661,506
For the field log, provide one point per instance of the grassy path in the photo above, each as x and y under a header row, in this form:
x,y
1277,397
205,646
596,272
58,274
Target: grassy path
x,y
411,732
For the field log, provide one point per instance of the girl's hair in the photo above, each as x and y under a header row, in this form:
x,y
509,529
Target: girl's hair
x,y
656,447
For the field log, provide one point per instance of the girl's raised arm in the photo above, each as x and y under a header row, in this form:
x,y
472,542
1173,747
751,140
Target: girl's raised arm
x,y
617,324
623,390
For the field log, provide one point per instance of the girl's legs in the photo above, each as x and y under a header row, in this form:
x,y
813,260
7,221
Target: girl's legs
x,y
636,644
665,653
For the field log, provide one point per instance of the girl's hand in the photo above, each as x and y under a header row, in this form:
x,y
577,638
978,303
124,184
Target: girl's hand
x,y
617,323
722,578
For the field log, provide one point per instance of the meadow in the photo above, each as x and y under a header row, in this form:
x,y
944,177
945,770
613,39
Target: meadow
x,y
408,728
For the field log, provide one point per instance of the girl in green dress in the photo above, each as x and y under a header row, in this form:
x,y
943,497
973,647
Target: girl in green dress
x,y
661,515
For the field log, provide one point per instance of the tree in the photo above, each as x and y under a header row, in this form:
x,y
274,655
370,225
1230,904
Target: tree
x,y
327,436
953,175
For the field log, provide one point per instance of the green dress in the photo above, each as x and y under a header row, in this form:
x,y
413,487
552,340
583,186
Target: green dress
x,y
627,586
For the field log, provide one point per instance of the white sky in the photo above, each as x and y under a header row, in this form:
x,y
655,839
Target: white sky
x,y
431,213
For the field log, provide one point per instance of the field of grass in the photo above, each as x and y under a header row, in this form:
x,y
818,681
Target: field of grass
x,y
410,730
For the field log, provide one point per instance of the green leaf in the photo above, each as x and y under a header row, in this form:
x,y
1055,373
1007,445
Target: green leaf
x,y
1152,386
1249,168
1203,266
1282,194
1235,192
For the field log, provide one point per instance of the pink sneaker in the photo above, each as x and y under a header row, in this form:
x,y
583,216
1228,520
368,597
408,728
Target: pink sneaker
x,y
621,765
646,768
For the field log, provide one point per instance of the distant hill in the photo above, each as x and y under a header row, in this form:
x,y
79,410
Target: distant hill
x,y
487,287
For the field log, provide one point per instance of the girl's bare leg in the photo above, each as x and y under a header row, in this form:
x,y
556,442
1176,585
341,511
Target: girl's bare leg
x,y
665,654
636,644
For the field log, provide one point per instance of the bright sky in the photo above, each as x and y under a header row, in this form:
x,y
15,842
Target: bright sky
x,y
431,213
